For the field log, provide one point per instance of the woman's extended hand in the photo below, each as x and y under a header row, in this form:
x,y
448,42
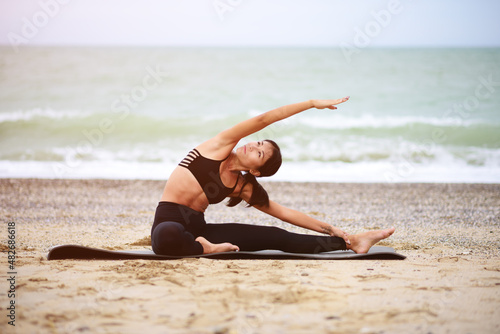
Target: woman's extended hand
x,y
330,104
337,232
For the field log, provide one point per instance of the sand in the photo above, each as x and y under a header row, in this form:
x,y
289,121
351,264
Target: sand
x,y
449,283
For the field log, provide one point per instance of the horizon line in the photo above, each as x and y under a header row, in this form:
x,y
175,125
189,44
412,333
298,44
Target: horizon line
x,y
255,46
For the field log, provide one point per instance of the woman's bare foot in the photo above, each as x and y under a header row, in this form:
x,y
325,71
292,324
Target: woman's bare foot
x,y
209,248
362,242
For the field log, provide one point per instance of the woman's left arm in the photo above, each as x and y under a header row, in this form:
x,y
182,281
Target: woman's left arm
x,y
302,220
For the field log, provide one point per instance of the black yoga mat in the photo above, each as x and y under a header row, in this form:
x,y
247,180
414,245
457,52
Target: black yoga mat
x,y
88,253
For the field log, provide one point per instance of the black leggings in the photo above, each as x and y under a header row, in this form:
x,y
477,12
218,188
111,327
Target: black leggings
x,y
176,227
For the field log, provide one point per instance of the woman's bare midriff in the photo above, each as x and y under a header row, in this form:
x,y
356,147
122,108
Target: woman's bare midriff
x,y
182,188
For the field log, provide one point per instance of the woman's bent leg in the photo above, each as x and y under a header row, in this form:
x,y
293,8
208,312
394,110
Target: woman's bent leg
x,y
254,237
171,238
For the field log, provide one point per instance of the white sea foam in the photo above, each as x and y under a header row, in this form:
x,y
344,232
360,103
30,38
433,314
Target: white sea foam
x,y
27,115
339,121
310,171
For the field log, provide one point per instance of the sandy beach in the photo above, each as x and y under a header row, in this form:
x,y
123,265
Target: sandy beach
x,y
449,282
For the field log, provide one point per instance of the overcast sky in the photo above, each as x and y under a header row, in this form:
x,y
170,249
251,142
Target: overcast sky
x,y
359,23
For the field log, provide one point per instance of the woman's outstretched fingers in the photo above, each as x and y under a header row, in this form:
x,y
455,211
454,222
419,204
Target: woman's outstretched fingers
x,y
342,100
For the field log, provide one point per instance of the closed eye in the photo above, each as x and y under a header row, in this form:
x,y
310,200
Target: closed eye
x,y
261,154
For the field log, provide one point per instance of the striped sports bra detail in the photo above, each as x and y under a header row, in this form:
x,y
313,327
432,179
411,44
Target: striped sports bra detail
x,y
193,154
207,173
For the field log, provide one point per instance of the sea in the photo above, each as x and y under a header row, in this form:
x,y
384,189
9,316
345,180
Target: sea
x,y
414,115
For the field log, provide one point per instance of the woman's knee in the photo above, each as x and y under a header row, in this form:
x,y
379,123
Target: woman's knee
x,y
171,238
167,237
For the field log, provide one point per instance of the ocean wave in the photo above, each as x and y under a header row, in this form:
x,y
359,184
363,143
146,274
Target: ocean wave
x,y
48,114
388,150
220,121
327,152
367,121
45,134
39,113
378,171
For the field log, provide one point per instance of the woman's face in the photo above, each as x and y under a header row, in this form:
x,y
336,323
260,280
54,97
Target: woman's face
x,y
255,154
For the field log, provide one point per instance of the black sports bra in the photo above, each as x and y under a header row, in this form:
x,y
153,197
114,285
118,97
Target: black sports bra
x,y
207,173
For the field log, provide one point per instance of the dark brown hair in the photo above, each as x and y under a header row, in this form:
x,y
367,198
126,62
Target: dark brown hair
x,y
259,194
273,163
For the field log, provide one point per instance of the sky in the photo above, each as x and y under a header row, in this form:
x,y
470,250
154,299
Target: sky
x,y
307,23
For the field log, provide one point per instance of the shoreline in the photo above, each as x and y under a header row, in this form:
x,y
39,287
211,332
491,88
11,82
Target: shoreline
x,y
448,283
263,180
319,172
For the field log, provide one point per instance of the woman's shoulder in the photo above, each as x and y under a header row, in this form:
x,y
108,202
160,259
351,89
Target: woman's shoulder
x,y
215,149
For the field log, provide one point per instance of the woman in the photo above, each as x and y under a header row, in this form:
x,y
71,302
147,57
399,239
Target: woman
x,y
213,171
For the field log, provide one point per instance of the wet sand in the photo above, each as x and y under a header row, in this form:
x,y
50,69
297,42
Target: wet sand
x,y
449,283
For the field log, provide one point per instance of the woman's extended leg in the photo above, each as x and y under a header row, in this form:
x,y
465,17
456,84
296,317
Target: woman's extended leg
x,y
254,237
170,238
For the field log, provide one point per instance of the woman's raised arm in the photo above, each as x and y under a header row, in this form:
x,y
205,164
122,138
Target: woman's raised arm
x,y
257,123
